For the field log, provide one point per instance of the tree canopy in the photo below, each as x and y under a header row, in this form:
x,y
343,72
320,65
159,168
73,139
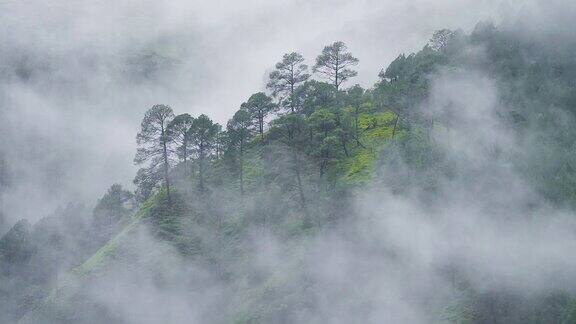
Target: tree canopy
x,y
335,64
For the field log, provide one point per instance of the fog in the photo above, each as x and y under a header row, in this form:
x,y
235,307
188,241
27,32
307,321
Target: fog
x,y
73,91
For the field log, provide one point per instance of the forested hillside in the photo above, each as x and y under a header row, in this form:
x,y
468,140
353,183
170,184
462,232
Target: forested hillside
x,y
319,201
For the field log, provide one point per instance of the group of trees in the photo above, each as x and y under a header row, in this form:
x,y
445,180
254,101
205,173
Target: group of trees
x,y
165,139
286,81
285,150
304,123
300,129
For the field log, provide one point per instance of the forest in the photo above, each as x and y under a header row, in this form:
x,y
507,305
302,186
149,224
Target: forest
x,y
444,193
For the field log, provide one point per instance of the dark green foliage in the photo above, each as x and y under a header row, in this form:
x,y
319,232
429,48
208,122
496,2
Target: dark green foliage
x,y
313,94
259,106
202,135
326,142
285,79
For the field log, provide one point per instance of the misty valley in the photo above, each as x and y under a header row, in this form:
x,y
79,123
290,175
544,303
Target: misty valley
x,y
442,192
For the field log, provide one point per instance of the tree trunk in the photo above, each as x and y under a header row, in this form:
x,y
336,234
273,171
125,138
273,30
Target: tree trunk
x,y
201,169
220,245
292,97
261,127
185,147
336,69
395,125
343,141
241,167
336,81
357,135
292,82
291,136
166,165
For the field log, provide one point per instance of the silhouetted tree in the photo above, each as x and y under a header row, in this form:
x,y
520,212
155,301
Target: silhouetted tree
x,y
334,64
289,73
259,106
154,142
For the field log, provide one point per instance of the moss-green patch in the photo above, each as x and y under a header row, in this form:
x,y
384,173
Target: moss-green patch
x,y
358,168
376,130
370,121
377,127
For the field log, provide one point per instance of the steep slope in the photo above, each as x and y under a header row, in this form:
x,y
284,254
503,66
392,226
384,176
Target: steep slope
x,y
155,224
